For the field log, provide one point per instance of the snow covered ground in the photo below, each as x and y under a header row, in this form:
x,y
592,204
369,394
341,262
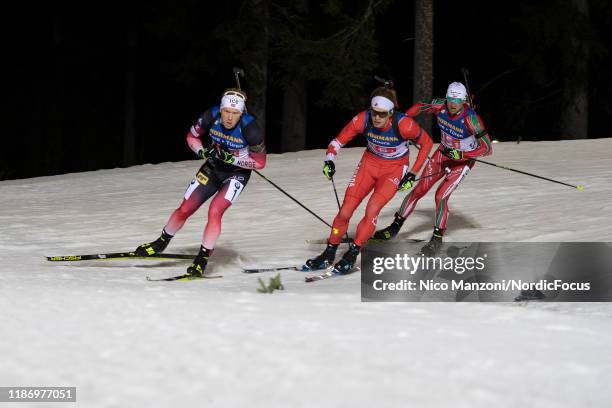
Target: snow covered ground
x,y
126,342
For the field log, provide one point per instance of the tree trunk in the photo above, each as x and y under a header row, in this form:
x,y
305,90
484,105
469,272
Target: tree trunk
x,y
423,57
293,128
575,111
256,62
293,132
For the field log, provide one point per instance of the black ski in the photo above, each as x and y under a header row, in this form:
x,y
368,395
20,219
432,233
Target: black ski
x,y
115,255
396,241
183,278
280,268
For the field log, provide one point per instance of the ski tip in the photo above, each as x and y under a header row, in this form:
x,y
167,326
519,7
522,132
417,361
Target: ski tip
x,y
579,187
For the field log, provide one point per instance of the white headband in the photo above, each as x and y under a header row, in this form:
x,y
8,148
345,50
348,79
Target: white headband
x,y
233,101
382,103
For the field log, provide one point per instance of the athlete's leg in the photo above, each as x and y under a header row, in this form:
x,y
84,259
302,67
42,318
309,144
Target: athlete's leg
x,y
384,191
196,195
433,172
232,186
222,201
360,186
444,191
201,188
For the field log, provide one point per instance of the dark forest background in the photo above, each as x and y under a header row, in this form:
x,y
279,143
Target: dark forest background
x,y
102,85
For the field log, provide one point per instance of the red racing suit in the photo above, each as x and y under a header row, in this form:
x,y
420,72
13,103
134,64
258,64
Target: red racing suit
x,y
381,168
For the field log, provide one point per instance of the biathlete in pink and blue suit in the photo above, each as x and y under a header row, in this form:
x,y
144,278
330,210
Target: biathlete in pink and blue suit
x,y
233,146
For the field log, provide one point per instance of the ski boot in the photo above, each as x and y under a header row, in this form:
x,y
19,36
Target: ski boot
x,y
198,266
154,247
322,261
346,264
389,232
432,248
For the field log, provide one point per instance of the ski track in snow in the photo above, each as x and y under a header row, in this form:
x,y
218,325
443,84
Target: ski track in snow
x,y
123,341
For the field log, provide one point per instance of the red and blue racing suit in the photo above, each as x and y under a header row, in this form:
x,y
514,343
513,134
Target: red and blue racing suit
x,y
463,131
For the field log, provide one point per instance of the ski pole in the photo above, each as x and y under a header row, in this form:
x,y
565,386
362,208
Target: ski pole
x,y
578,187
338,201
238,72
288,195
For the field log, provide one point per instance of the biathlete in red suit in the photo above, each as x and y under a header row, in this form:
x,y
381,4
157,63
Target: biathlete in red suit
x,y
463,136
383,168
234,146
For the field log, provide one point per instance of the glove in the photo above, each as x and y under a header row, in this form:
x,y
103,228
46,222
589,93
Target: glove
x,y
226,156
207,152
452,153
329,169
407,182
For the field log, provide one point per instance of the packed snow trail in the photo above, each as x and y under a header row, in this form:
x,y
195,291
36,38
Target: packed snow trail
x,y
123,341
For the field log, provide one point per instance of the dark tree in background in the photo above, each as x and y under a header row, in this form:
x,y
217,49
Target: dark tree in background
x,y
423,56
555,47
575,116
293,23
249,38
129,132
116,85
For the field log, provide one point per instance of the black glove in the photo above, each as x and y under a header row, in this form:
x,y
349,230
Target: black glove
x,y
407,182
329,169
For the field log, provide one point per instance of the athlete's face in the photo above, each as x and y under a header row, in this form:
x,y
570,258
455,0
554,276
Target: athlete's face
x,y
230,117
380,118
454,105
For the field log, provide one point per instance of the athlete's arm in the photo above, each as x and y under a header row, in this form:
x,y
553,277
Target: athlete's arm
x,y
256,156
476,128
198,130
410,130
433,107
348,133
